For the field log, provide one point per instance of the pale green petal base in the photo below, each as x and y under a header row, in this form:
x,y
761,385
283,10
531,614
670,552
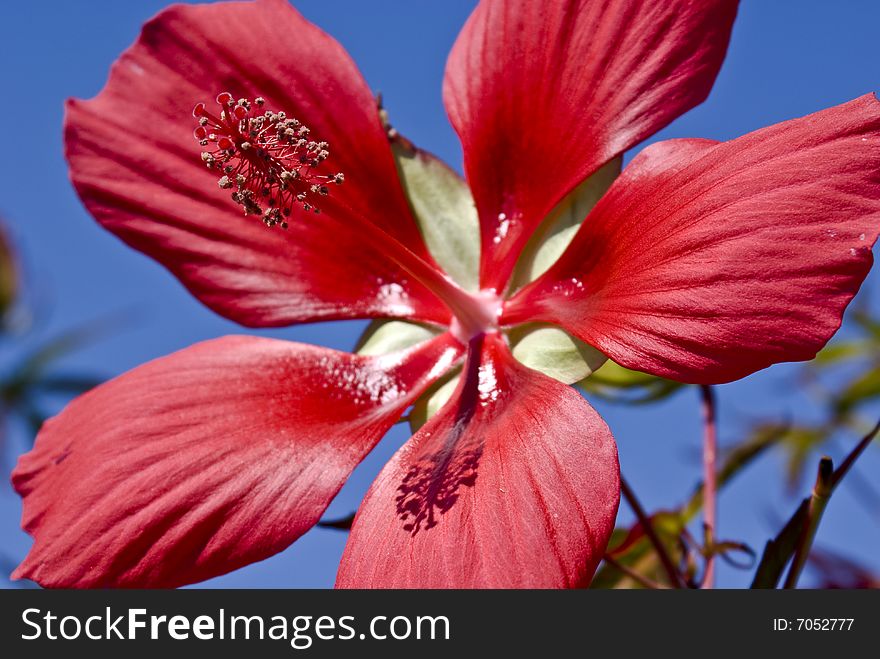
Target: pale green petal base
x,y
384,336
558,229
542,347
444,210
554,352
431,402
447,218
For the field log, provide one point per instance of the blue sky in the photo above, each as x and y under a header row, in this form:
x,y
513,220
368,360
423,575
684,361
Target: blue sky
x,y
787,58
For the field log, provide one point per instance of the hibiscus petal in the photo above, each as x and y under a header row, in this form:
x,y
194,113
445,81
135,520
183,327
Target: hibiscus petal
x,y
206,460
514,483
137,168
544,93
706,262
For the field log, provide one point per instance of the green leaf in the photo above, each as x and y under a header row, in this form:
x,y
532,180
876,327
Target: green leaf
x,y
779,550
557,230
444,210
863,388
632,548
840,351
615,375
869,324
618,384
554,352
385,336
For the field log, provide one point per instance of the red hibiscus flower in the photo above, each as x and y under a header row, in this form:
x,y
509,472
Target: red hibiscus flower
x,y
702,262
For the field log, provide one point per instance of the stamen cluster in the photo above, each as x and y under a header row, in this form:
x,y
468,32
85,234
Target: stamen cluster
x,y
266,158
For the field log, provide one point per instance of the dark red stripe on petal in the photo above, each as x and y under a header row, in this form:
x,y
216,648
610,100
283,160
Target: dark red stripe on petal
x,y
542,94
138,170
513,484
704,263
206,460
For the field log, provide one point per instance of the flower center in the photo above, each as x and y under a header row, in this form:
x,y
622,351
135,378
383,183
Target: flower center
x,y
266,158
475,313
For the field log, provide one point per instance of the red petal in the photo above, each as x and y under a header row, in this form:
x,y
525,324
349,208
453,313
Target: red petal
x,y
705,263
209,459
544,93
136,166
513,484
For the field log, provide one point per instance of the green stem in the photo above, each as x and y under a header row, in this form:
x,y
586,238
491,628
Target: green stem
x,y
818,501
827,481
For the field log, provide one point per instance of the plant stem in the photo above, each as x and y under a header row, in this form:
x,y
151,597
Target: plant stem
x,y
827,480
818,500
710,480
666,561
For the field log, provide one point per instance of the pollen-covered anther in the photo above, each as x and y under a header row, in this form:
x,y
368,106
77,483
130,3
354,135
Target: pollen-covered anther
x,y
265,158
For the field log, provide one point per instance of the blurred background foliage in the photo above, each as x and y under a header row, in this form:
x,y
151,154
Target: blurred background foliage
x,y
843,382
32,386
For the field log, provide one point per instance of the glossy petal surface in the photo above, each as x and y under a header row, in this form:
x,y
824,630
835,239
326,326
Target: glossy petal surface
x,y
513,484
542,94
137,168
201,462
706,262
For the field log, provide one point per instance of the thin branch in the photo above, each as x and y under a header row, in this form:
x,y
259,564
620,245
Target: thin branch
x,y
632,574
710,480
848,462
666,561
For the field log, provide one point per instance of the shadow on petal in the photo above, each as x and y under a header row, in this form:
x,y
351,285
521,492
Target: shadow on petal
x,y
431,485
